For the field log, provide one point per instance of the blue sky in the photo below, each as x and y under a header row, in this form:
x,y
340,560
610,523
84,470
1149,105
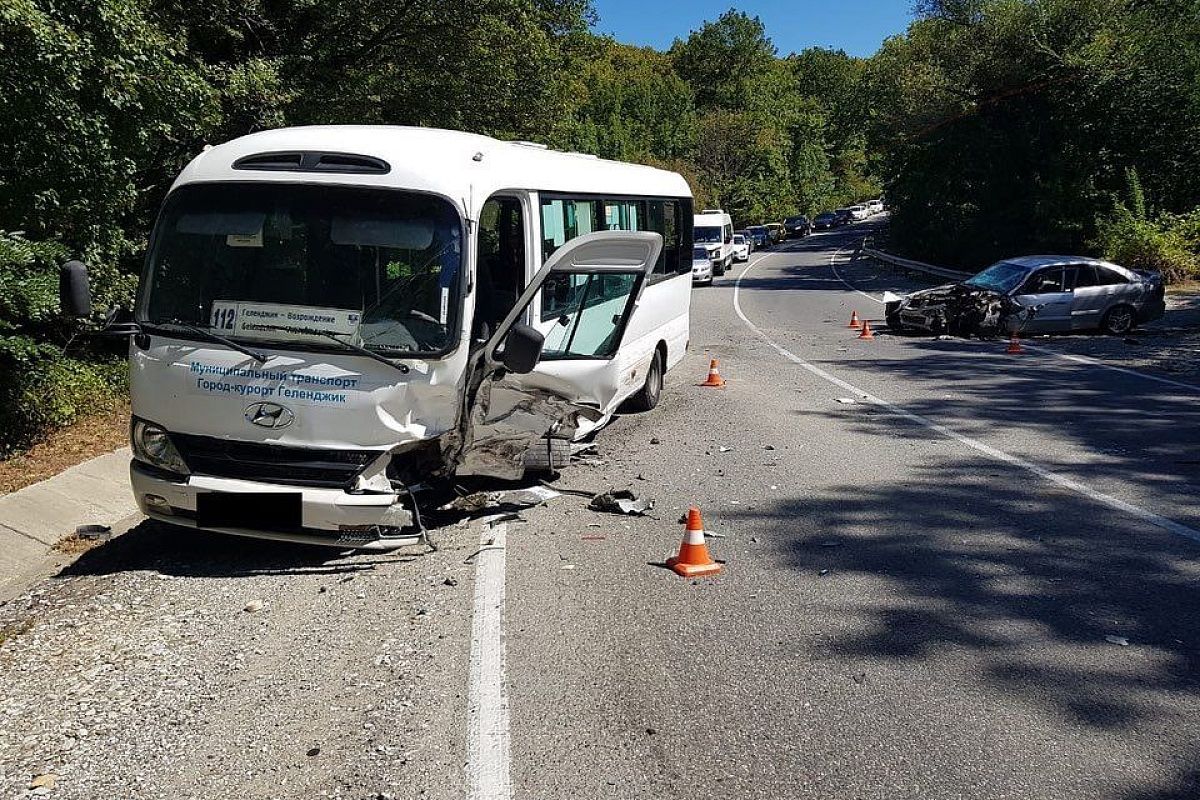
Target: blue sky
x,y
856,26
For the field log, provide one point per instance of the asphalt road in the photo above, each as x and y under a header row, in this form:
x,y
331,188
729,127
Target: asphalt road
x,y
917,591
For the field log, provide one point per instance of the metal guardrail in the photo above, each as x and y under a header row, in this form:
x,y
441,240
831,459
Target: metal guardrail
x,y
908,264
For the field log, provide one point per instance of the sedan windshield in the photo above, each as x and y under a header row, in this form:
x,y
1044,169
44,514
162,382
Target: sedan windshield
x,y
707,235
302,263
1001,277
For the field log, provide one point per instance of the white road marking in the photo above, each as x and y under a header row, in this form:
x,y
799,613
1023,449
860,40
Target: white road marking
x,y
1091,362
487,703
976,445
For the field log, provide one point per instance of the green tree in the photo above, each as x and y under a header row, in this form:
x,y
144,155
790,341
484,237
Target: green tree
x,y
725,61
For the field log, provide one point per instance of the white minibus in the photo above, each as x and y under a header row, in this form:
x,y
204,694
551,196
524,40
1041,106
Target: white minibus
x,y
712,228
331,318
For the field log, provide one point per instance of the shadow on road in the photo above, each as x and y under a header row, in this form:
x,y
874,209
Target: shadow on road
x,y
1116,427
1024,582
181,552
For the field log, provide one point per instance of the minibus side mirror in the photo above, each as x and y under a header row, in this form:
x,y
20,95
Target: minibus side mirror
x,y
74,293
522,349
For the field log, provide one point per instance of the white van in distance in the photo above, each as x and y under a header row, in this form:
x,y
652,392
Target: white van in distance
x,y
332,318
713,230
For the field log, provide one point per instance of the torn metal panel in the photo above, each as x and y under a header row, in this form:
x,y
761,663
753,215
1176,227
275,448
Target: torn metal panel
x,y
506,422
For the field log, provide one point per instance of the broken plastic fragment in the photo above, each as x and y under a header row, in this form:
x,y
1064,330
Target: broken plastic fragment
x,y
621,501
1119,640
523,498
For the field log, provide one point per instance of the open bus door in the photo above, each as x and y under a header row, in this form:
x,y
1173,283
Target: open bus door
x,y
594,282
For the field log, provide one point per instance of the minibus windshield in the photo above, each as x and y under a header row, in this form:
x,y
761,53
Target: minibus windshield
x,y
707,235
295,263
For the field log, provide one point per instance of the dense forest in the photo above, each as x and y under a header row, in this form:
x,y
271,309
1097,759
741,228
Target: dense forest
x,y
993,126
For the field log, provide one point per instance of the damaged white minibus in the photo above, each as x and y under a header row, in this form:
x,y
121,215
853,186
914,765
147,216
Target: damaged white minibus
x,y
331,317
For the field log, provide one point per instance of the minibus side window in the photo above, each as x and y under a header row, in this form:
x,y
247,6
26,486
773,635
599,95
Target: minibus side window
x,y
501,264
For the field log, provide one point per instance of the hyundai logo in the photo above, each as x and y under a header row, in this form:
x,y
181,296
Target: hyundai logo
x,y
269,415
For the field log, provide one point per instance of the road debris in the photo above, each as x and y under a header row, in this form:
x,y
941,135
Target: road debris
x,y
520,498
846,401
253,607
94,532
620,501
1117,640
725,449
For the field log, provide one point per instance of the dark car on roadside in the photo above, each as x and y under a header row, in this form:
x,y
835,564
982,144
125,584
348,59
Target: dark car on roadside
x,y
825,221
797,226
844,216
760,236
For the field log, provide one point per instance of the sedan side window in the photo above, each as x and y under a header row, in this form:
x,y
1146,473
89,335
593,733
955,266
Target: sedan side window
x,y
1084,276
1107,277
1044,281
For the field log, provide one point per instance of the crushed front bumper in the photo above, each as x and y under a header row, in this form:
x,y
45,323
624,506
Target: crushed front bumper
x,y
329,517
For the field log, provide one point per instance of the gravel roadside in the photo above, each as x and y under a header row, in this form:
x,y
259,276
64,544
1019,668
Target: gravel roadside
x,y
175,664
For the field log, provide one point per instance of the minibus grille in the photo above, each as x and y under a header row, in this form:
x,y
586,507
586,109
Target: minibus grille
x,y
271,463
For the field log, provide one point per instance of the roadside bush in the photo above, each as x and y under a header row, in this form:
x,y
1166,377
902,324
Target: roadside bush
x,y
46,390
1133,238
46,381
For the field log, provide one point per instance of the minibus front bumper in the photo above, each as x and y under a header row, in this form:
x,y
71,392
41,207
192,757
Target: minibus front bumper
x,y
332,517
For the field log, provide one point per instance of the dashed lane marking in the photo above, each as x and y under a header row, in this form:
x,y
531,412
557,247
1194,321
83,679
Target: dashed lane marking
x,y
991,452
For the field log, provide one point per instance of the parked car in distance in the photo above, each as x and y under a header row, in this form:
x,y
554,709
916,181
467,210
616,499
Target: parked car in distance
x,y
702,265
748,236
859,212
875,206
826,221
844,216
797,226
741,248
1035,294
761,236
776,231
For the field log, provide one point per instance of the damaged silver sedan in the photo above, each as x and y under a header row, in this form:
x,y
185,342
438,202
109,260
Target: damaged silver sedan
x,y
1034,294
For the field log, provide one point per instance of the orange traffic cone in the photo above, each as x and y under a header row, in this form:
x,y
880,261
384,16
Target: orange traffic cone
x,y
866,331
714,376
854,321
1014,345
693,560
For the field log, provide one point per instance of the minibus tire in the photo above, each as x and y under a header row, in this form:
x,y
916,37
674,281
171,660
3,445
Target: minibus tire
x,y
648,396
537,459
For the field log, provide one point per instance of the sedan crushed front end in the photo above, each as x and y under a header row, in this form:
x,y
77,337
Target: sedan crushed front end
x,y
958,309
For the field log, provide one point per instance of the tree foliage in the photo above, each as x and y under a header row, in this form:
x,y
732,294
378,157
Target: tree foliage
x,y
997,127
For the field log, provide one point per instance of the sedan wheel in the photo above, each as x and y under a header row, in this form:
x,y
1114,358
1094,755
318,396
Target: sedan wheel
x,y
1119,320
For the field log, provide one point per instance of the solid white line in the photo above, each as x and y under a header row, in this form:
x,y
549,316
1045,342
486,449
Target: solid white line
x,y
1091,362
986,449
487,704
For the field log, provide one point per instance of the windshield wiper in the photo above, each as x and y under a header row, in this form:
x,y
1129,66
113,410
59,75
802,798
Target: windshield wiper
x,y
337,337
214,337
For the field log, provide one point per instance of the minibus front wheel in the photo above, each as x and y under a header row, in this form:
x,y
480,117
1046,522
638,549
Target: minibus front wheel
x,y
647,398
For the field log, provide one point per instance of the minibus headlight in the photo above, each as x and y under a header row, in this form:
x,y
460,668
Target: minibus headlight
x,y
152,445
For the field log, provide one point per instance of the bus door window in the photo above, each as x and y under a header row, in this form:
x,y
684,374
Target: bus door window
x,y
501,263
